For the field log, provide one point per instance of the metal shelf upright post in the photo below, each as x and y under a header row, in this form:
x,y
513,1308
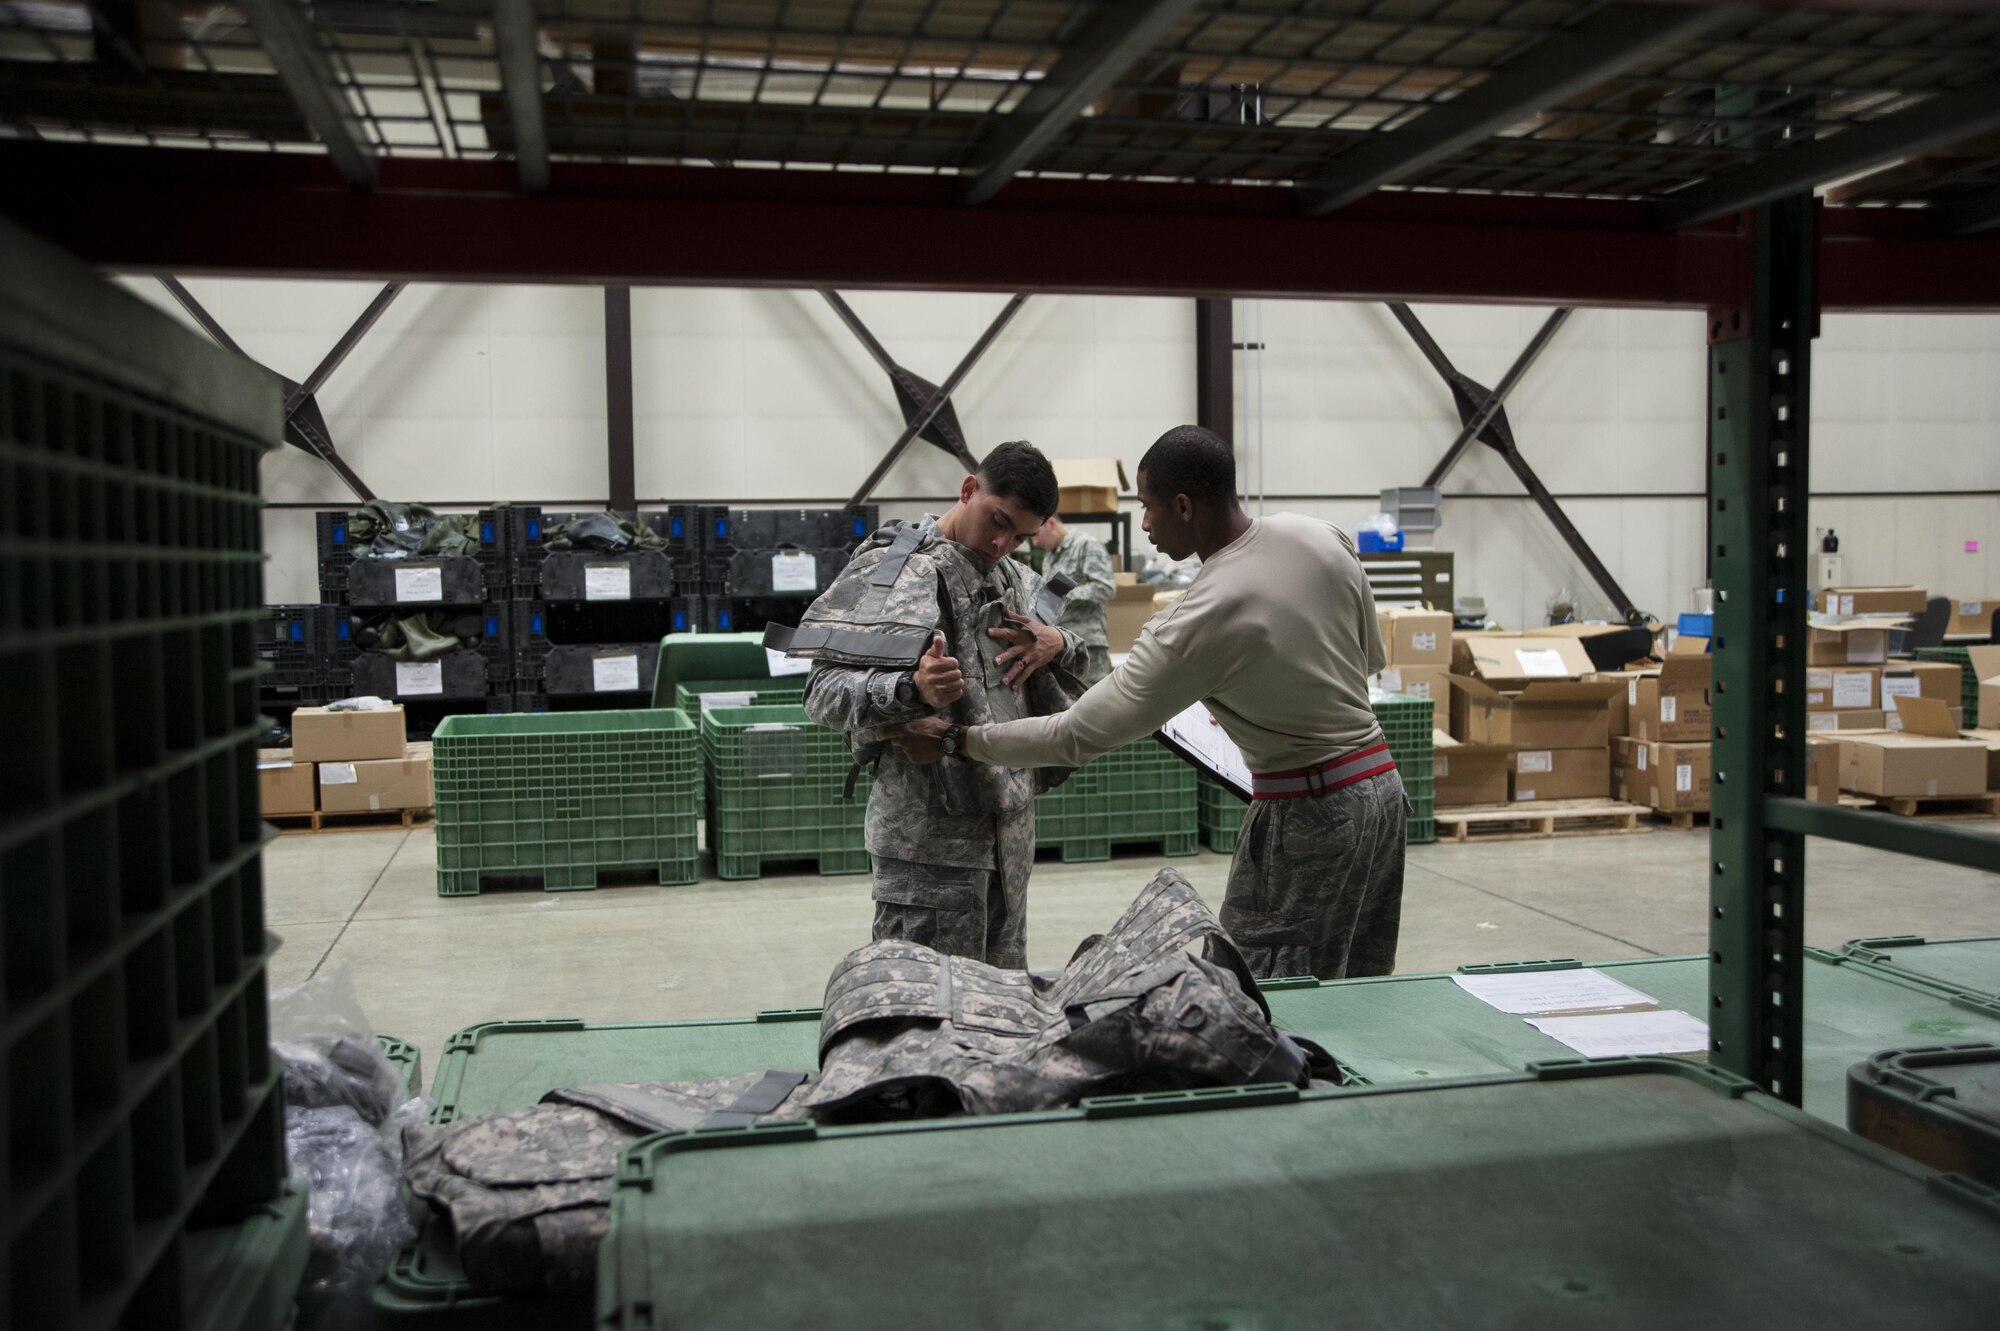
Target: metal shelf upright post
x,y
1760,360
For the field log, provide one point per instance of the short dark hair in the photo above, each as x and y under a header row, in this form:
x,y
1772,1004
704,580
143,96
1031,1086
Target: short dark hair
x,y
1189,460
1019,472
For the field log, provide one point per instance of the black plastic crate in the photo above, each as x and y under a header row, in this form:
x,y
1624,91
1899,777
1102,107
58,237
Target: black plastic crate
x,y
292,674
460,674
719,615
496,640
290,632
416,584
583,576
689,615
703,574
687,527
778,573
810,528
526,527
1939,1106
335,550
601,669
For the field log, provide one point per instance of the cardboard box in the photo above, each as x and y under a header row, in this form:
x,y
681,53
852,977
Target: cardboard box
x,y
1991,739
1923,679
284,785
1827,722
1464,774
1559,774
1927,760
1551,715
1673,705
1843,689
1973,616
1893,720
320,736
1823,770
1673,778
1433,682
1416,637
1874,600
1512,660
1089,485
1627,695
374,784
1131,606
1851,642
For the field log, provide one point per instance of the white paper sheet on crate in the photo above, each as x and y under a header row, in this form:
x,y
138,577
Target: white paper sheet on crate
x,y
714,700
1533,992
420,584
615,674
1627,1034
416,678
794,572
337,774
1195,735
607,582
1541,663
781,665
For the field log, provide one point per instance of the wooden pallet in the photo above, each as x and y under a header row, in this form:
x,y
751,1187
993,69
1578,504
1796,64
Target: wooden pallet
x,y
1981,806
1531,820
365,820
1684,821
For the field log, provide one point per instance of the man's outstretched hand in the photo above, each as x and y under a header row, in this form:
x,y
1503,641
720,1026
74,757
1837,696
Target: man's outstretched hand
x,y
1031,645
922,742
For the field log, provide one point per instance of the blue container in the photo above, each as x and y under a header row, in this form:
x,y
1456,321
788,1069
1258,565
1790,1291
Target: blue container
x,y
1697,626
1372,542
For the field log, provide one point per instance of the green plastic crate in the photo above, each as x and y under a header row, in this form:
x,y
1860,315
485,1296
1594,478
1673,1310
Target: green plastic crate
x,y
692,657
776,786
1643,1193
406,1058
1969,680
1967,968
245,1276
1071,818
1406,724
565,796
745,692
1143,792
1219,814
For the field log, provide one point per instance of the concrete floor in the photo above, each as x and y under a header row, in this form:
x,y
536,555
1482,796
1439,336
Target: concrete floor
x,y
425,966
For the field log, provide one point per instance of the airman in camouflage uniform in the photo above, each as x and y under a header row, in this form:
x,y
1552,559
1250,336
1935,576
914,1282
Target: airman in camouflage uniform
x,y
1086,564
934,620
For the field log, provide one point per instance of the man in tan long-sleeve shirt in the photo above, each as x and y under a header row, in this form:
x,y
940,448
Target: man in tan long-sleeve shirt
x,y
1278,636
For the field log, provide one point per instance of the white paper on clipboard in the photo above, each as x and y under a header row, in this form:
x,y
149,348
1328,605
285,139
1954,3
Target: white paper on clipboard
x,y
1195,735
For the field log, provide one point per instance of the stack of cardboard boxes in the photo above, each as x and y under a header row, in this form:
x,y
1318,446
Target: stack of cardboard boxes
x,y
1524,704
1418,646
1662,758
345,762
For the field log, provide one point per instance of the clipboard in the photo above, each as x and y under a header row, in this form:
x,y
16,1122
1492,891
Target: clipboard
x,y
1200,742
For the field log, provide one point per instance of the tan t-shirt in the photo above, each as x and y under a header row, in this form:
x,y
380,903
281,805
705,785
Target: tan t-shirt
x,y
1277,635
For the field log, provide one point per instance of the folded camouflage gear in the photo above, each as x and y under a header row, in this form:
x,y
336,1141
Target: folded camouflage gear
x,y
910,1032
602,533
528,1191
400,531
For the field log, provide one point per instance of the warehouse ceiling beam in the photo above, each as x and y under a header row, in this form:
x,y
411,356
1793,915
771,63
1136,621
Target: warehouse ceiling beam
x,y
1931,124
286,35
1552,71
1115,38
929,408
305,426
1969,213
514,37
147,210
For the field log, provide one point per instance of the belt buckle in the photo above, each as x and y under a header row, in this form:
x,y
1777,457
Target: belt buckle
x,y
1315,782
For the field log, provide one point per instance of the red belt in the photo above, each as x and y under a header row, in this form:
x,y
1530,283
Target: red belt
x,y
1307,782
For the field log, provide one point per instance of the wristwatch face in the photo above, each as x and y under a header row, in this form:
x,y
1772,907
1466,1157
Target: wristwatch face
x,y
906,690
950,740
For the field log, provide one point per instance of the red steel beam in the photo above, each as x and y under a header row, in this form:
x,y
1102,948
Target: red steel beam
x,y
282,215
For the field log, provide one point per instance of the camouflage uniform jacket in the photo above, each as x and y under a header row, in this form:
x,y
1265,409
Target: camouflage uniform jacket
x,y
1087,564
867,632
907,1030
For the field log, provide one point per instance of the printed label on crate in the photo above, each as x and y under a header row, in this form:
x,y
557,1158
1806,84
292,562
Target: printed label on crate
x,y
1420,689
615,674
1541,664
1822,721
1684,778
1901,686
1540,760
780,665
1669,709
607,582
1441,766
1847,604
1642,757
420,584
1392,680
1424,642
709,701
794,573
337,774
1524,796
1967,609
1853,688
419,677
1631,693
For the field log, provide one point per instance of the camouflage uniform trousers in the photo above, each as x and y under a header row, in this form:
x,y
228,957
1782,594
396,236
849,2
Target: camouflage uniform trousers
x,y
1316,887
976,913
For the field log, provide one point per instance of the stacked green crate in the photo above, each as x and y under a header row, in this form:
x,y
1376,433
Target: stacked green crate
x,y
1968,685
1147,792
1406,724
1070,818
144,1127
565,796
1219,813
699,696
776,791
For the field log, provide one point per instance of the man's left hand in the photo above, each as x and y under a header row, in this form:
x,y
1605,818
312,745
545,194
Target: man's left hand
x,y
1031,645
922,742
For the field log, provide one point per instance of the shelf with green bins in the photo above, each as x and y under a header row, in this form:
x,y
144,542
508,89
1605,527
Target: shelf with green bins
x,y
1406,725
1968,685
777,791
565,796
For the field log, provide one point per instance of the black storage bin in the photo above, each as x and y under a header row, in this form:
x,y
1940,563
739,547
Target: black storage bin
x,y
416,584
689,528
809,528
643,575
756,573
461,674
1939,1106
601,668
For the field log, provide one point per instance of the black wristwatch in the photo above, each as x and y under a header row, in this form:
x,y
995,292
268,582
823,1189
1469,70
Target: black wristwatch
x,y
954,734
906,689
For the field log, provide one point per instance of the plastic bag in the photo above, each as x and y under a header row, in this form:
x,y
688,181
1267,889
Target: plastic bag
x,y
367,702
346,1106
